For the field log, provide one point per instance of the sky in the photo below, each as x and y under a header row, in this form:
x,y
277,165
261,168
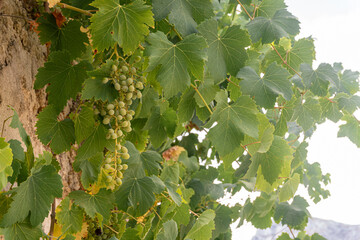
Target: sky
x,y
334,24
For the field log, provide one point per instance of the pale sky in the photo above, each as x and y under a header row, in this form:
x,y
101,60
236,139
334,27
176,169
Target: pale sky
x,y
334,24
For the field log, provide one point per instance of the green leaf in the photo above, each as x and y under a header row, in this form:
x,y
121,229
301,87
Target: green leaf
x,y
267,8
273,160
348,103
308,113
94,88
208,92
35,195
161,124
149,99
202,229
60,135
318,81
182,214
16,124
330,110
289,189
6,155
184,14
126,24
65,78
70,216
265,90
148,161
100,203
84,123
351,129
90,169
222,219
67,37
233,121
22,231
349,82
294,215
284,236
281,24
136,192
169,231
176,61
226,53
186,105
303,51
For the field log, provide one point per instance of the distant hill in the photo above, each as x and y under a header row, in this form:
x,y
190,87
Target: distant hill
x,y
329,229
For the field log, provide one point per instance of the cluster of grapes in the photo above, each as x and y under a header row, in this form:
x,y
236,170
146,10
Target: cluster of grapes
x,y
116,116
107,232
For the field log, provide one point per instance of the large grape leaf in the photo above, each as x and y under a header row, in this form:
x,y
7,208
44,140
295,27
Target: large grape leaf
x,y
169,231
176,61
318,80
226,52
330,110
202,229
295,215
265,90
100,203
349,104
65,78
84,123
16,124
288,190
302,51
307,113
22,231
281,24
94,88
34,196
272,162
70,216
90,168
349,81
184,14
60,135
186,105
350,129
67,37
267,8
6,159
148,161
233,121
126,24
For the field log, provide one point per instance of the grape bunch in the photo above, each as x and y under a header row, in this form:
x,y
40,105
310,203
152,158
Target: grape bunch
x,y
117,116
109,230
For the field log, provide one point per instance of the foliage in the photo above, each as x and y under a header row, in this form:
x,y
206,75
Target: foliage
x,y
163,92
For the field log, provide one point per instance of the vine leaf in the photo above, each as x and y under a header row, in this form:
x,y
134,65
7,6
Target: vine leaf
x,y
126,24
281,24
289,188
233,121
191,12
34,196
100,203
186,105
203,226
68,37
6,159
70,216
267,8
169,231
84,123
348,104
295,215
94,88
226,52
65,78
349,82
176,61
60,135
265,90
351,129
306,114
90,168
330,110
22,231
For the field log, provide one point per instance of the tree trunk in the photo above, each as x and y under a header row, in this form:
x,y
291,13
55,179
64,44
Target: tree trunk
x,y
21,54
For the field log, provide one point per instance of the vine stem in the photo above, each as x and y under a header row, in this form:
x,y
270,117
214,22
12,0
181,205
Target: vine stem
x,y
111,229
194,213
174,29
52,223
292,233
244,147
64,5
228,79
201,97
3,126
284,61
242,6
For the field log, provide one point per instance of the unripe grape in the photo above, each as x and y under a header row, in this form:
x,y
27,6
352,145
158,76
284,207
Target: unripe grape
x,y
119,133
106,121
123,111
129,117
139,94
142,79
105,80
121,104
107,166
106,230
125,69
129,81
96,111
125,166
111,131
139,85
103,112
117,86
125,88
108,136
137,59
118,181
123,83
133,70
118,146
108,160
125,156
108,178
119,174
110,106
114,136
104,236
119,161
114,68
122,77
124,149
125,124
111,112
131,88
119,167
129,96
132,112
128,129
119,117
129,102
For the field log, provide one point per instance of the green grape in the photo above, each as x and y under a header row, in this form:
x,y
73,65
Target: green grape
x,y
119,161
121,104
119,167
119,133
117,86
129,96
111,112
114,68
96,111
107,166
125,156
110,106
131,88
105,80
125,88
108,160
125,124
118,181
123,111
91,238
122,77
108,178
124,149
129,81
106,231
132,112
142,79
139,85
106,121
114,136
104,236
118,146
129,117
138,94
125,69
111,131
128,129
123,83
103,112
119,117
133,70
125,166
129,102
108,136
137,59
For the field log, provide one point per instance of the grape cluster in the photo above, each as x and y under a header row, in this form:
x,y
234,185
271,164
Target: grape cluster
x,y
111,229
117,116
